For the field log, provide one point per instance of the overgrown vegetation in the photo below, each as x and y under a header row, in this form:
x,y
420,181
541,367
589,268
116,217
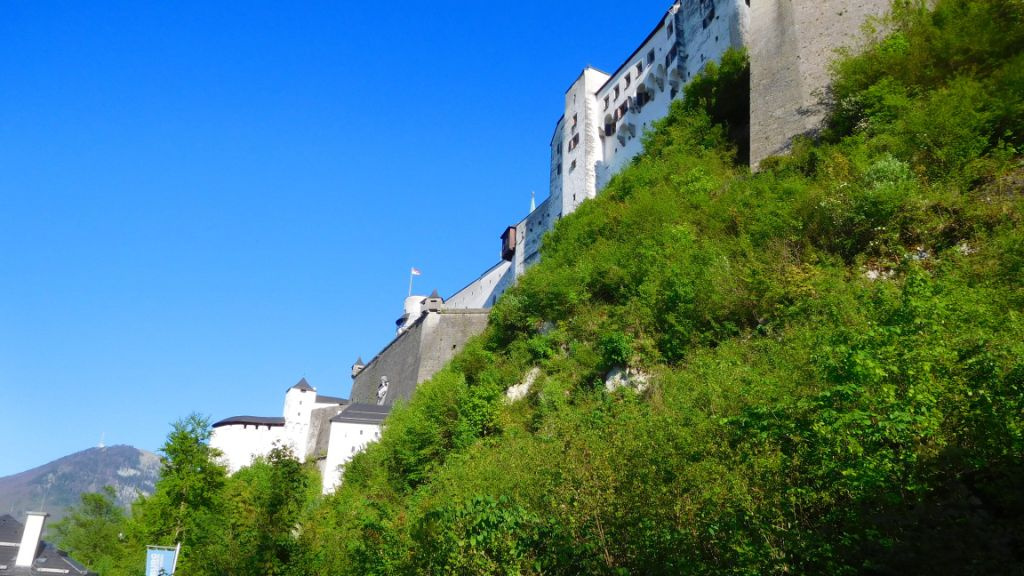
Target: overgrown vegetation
x,y
834,345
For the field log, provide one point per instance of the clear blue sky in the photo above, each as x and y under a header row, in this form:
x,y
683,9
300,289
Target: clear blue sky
x,y
203,202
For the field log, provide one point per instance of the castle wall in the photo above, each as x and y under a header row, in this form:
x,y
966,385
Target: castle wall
x,y
529,233
319,431
240,443
346,439
554,200
581,145
443,339
791,43
399,362
417,354
484,291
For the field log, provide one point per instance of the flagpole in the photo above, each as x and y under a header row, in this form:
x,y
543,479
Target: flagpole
x,y
410,282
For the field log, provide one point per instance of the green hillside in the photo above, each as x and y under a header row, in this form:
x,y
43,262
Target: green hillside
x,y
835,350
824,359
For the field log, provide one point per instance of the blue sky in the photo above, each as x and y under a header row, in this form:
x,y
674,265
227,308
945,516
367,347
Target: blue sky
x,y
203,202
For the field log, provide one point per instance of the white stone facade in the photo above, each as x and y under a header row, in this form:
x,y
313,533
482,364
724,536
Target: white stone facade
x,y
605,116
240,443
346,440
304,428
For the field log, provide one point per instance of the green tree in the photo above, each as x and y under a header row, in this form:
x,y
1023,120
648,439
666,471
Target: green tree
x,y
93,530
188,504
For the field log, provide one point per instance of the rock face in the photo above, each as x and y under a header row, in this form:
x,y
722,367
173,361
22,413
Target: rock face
x,y
54,486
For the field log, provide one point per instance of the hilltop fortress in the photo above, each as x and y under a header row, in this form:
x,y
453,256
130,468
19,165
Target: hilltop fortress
x,y
789,44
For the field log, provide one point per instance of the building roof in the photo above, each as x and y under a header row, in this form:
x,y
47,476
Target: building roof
x,y
303,385
320,399
363,414
628,61
49,560
10,530
359,361
255,420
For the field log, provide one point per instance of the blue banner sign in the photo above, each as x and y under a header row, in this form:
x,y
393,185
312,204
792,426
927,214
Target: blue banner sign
x,y
160,560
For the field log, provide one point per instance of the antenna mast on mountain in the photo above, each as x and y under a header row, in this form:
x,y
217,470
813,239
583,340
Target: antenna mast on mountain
x,y
102,436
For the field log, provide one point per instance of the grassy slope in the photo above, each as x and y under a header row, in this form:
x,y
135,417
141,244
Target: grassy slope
x,y
835,348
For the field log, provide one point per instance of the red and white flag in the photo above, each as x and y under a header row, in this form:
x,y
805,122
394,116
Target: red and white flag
x,y
415,271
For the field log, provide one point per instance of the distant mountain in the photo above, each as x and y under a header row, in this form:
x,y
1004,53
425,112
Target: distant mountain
x,y
55,486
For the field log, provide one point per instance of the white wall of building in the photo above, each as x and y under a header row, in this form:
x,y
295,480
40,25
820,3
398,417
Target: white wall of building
x,y
621,107
298,405
346,440
482,292
240,443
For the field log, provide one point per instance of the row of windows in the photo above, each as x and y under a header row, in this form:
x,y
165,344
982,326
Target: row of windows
x,y
626,81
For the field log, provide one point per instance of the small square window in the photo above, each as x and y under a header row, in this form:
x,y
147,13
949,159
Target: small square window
x,y
627,80
606,102
639,68
571,168
616,92
650,57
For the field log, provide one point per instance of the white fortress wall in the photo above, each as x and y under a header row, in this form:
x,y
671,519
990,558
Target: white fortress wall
x,y
240,443
581,146
298,404
529,233
554,200
482,292
641,91
346,439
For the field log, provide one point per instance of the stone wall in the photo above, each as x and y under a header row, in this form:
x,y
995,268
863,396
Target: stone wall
x,y
482,292
399,361
791,44
417,354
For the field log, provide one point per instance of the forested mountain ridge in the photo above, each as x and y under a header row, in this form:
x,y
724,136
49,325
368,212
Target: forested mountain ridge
x,y
832,352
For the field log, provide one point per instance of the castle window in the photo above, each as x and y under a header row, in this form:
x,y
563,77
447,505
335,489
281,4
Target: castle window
x,y
710,16
639,68
650,55
574,142
571,168
559,169
621,111
616,92
627,80
669,30
606,102
574,122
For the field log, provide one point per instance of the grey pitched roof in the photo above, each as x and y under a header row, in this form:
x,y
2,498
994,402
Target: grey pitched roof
x,y
303,385
330,399
434,294
10,529
49,560
359,361
254,420
363,414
